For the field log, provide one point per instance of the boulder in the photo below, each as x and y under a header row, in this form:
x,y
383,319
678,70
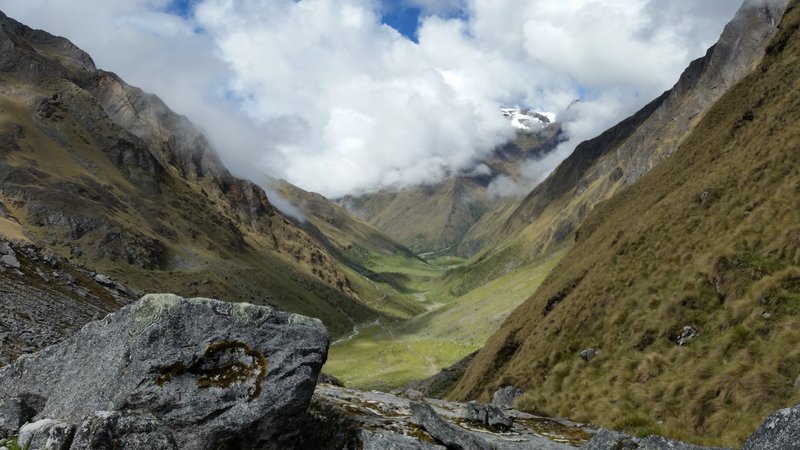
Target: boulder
x,y
613,440
413,394
505,396
16,411
10,261
383,440
687,334
46,434
489,416
103,279
129,430
662,443
588,354
780,431
450,435
605,439
216,374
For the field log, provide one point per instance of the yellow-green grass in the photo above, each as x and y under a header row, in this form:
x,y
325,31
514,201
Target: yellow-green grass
x,y
392,354
709,239
378,359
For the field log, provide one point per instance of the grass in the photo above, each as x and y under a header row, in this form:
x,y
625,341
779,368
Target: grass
x,y
394,353
709,238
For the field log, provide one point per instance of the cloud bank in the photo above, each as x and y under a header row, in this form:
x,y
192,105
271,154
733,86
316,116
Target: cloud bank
x,y
323,94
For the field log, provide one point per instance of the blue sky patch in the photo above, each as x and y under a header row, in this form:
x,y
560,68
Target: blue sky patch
x,y
182,8
403,18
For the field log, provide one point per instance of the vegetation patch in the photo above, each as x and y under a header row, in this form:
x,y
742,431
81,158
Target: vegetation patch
x,y
222,365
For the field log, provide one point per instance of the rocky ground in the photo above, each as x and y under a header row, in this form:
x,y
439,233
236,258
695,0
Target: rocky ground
x,y
44,299
382,420
167,372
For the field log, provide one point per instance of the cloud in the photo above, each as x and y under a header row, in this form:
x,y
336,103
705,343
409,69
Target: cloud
x,y
322,93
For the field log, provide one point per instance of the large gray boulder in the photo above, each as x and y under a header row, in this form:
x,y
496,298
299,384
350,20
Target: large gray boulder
x,y
215,374
448,434
780,431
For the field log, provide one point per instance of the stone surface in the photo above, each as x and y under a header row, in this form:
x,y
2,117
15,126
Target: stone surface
x,y
386,440
413,394
103,279
348,418
16,411
127,430
215,373
780,431
489,416
613,440
687,334
10,261
505,396
588,354
448,434
46,434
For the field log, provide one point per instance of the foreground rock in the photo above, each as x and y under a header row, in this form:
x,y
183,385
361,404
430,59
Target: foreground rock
x,y
780,431
347,418
613,440
48,298
198,373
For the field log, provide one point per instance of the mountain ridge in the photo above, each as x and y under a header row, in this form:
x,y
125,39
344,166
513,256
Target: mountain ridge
x,y
684,285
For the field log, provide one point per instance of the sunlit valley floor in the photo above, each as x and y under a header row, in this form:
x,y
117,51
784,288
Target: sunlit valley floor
x,y
393,352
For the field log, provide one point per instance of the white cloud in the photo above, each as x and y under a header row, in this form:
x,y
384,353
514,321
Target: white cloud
x,y
321,93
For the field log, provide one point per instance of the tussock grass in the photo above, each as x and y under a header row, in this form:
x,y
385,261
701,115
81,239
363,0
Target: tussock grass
x,y
709,239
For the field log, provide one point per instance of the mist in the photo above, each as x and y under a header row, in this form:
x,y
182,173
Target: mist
x,y
325,95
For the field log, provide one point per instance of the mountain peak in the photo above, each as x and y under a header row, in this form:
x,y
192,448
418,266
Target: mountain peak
x,y
527,119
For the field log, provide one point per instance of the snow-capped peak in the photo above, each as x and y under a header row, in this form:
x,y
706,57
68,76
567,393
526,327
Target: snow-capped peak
x,y
528,119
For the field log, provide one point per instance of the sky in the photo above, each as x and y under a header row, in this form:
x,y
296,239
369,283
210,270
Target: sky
x,y
351,96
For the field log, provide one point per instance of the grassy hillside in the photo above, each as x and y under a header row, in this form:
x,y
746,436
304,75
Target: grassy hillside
x,y
108,176
709,239
606,164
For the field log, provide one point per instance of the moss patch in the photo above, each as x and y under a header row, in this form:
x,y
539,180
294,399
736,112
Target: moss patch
x,y
223,364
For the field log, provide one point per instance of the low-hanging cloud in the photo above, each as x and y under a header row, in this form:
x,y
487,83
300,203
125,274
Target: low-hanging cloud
x,y
321,93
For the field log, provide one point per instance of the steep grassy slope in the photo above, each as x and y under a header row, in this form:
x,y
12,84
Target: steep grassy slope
x,y
709,239
366,251
602,166
111,178
437,217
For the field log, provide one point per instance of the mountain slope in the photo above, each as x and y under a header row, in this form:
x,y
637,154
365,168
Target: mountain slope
x,y
359,246
110,177
706,243
601,167
437,217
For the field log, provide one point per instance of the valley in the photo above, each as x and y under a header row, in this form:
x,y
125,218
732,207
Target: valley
x,y
645,291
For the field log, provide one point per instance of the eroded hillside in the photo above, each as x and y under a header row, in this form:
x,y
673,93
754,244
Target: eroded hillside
x,y
108,176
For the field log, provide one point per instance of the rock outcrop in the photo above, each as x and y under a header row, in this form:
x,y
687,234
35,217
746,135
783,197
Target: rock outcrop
x,y
613,440
198,373
352,419
780,431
